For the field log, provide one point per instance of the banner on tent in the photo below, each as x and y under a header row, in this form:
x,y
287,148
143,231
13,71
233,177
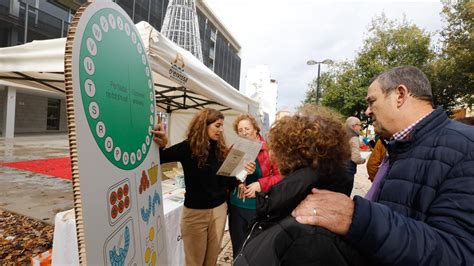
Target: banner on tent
x,y
177,72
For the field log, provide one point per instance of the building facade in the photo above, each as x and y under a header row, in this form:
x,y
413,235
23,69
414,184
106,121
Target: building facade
x,y
23,21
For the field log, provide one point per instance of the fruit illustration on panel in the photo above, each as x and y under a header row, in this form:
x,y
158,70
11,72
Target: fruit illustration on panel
x,y
118,200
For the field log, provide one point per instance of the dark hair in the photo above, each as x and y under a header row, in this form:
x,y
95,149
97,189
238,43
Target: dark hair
x,y
413,78
199,139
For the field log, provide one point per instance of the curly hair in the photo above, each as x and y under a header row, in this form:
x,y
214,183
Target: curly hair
x,y
199,139
248,117
315,137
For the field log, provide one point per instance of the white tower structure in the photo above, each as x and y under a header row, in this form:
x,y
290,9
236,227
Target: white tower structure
x,y
181,26
261,87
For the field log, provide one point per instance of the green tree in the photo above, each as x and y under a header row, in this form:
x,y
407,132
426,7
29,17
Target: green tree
x,y
453,71
449,65
389,43
343,90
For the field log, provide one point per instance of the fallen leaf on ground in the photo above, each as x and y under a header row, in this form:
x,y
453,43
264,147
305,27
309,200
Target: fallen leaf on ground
x,y
22,238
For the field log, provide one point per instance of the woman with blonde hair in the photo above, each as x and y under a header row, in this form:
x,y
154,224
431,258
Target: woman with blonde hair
x,y
242,210
205,209
310,149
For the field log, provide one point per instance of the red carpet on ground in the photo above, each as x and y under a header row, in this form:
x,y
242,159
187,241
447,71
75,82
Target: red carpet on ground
x,y
57,167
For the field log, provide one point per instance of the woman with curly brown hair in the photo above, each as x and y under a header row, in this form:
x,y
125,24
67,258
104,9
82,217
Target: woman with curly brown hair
x,y
310,149
242,209
205,209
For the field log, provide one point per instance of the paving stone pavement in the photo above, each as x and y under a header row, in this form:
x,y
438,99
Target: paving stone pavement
x,y
32,194
225,257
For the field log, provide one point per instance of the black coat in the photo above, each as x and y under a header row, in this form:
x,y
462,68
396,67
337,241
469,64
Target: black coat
x,y
277,239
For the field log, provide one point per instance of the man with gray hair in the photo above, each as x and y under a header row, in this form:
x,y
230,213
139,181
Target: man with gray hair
x,y
354,126
422,210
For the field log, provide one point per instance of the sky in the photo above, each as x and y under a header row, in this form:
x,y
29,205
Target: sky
x,y
285,34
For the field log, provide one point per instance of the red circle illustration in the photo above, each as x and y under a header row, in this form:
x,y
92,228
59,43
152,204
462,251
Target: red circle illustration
x,y
113,197
114,212
125,189
126,201
120,206
119,193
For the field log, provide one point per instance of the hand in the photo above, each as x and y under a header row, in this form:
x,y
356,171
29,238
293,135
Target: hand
x,y
252,189
242,188
333,211
250,167
160,136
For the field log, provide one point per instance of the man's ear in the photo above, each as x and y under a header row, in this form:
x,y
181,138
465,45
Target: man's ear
x,y
402,94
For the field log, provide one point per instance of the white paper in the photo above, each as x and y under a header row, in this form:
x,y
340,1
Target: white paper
x,y
242,152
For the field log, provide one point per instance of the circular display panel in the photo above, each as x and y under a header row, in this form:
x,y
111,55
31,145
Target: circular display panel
x,y
116,88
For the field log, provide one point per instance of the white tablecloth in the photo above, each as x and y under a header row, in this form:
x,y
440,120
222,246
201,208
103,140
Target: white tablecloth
x,y
65,251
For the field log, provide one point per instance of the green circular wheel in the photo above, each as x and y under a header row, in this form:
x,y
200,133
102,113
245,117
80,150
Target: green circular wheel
x,y
117,88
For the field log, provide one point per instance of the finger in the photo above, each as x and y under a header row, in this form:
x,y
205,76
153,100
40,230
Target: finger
x,y
249,170
321,191
312,220
158,132
249,193
242,191
159,137
157,127
309,202
305,208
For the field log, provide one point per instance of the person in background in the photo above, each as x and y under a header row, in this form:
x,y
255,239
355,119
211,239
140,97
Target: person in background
x,y
309,149
466,120
375,159
354,126
205,209
421,212
242,200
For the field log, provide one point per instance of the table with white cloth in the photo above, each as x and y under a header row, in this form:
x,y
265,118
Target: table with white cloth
x,y
65,251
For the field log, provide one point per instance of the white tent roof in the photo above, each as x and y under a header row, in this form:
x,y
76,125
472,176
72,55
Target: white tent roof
x,y
40,64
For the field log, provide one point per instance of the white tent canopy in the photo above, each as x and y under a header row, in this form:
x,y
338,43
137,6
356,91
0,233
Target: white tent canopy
x,y
183,85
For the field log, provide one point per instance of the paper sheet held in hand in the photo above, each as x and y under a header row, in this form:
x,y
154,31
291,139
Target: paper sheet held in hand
x,y
242,152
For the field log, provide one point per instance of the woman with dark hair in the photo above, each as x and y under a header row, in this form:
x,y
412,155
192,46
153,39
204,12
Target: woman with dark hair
x,y
242,210
205,208
310,150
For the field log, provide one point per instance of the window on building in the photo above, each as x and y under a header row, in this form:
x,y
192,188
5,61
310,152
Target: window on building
x,y
213,35
53,114
211,52
210,64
